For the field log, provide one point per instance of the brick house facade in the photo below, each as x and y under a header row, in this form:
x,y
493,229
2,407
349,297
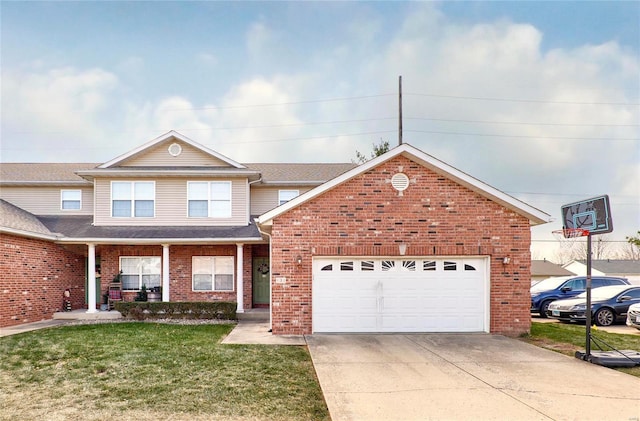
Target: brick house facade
x,y
33,277
365,216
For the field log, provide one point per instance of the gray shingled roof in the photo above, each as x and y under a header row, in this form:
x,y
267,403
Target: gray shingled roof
x,y
52,173
547,268
42,172
80,226
630,267
289,173
15,218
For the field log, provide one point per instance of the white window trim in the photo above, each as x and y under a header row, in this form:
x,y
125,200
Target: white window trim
x,y
213,281
133,199
209,207
282,201
140,272
62,199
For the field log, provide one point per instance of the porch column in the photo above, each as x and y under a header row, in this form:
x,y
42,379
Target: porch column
x,y
165,272
240,286
91,272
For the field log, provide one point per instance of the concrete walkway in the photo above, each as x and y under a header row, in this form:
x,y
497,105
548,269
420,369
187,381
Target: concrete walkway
x,y
27,327
252,332
464,377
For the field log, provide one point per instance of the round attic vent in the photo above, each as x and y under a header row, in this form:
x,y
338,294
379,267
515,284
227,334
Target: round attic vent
x,y
400,181
175,149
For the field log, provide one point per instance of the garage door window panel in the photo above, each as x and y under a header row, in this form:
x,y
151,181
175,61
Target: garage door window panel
x,y
450,266
346,266
429,265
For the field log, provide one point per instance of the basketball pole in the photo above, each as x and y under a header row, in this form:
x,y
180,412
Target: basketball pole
x,y
588,307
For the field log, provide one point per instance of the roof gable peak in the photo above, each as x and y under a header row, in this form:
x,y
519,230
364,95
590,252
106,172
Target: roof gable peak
x,y
166,138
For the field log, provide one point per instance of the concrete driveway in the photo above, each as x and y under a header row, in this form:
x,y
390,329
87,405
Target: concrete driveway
x,y
464,377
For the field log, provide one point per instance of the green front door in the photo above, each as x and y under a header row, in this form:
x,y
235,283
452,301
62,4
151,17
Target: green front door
x,y
261,280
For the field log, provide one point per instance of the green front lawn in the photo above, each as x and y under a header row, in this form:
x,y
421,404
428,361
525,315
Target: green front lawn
x,y
569,338
151,371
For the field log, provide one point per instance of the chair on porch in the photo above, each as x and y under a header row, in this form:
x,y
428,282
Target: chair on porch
x,y
115,294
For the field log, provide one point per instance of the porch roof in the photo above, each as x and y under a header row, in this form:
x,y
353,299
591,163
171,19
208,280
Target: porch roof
x,y
80,229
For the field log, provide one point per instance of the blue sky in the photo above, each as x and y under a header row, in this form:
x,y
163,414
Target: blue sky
x,y
539,99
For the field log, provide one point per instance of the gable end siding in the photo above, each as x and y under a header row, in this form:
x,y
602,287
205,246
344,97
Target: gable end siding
x,y
158,156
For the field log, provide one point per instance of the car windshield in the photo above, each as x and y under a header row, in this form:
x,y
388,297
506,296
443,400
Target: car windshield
x,y
547,284
604,293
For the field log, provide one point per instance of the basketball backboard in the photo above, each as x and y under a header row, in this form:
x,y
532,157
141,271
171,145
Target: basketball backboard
x,y
593,215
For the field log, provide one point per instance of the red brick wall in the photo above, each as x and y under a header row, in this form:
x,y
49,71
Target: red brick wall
x,y
180,285
33,277
434,217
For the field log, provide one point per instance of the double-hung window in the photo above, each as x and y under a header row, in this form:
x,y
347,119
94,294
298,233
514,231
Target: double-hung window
x,y
209,199
212,273
133,199
70,199
285,195
139,271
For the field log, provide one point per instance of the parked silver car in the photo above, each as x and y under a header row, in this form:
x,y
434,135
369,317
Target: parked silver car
x,y
633,316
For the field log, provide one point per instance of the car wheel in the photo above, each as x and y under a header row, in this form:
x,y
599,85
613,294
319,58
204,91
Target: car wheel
x,y
543,308
604,317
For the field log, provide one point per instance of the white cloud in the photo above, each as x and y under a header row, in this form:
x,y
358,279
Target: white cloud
x,y
55,111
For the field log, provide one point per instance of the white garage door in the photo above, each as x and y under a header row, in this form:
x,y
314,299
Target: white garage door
x,y
400,295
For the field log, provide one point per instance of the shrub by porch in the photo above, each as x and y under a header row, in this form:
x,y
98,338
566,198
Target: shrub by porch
x,y
178,310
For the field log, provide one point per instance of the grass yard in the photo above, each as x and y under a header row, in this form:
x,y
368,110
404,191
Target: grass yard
x,y
569,338
153,371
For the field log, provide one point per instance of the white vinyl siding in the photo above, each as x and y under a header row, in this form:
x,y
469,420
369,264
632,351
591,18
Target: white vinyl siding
x,y
139,271
264,199
40,200
171,205
212,273
159,156
70,199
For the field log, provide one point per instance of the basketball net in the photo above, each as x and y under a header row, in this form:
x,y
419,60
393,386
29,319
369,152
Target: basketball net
x,y
567,237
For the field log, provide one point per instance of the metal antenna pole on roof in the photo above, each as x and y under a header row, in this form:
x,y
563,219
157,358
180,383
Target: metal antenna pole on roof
x,y
400,110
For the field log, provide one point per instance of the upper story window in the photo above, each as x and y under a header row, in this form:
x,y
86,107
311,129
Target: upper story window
x,y
133,199
70,199
209,199
285,195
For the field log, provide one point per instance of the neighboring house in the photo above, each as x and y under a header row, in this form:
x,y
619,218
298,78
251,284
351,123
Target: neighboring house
x,y
543,269
629,269
401,243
